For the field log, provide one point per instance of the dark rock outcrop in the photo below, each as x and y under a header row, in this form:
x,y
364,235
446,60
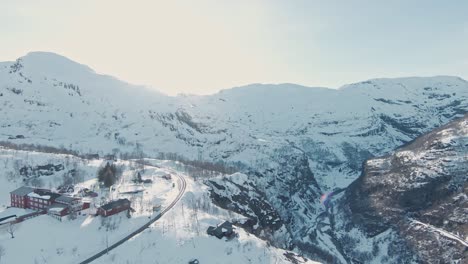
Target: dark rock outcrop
x,y
415,200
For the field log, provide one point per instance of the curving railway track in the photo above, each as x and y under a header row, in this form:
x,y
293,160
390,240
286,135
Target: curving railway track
x,y
181,185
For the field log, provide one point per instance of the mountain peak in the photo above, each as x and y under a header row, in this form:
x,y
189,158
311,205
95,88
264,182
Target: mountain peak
x,y
53,65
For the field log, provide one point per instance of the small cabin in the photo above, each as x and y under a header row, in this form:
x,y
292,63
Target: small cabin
x,y
114,207
167,176
223,230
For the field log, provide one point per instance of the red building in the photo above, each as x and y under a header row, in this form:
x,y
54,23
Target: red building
x,y
114,207
45,200
41,199
71,202
19,197
36,199
58,210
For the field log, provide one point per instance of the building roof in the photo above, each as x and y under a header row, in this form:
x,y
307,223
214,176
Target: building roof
x,y
224,229
115,203
23,190
40,196
44,194
56,207
226,225
65,199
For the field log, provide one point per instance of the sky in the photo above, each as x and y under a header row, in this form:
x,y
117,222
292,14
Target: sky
x,y
203,46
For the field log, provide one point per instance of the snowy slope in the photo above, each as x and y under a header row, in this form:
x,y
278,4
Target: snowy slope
x,y
51,100
177,237
326,134
181,236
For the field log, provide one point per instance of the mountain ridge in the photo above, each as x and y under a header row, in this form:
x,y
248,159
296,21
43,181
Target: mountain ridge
x,y
38,58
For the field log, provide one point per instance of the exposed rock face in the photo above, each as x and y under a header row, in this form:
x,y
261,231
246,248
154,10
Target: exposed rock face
x,y
281,203
412,204
40,170
239,194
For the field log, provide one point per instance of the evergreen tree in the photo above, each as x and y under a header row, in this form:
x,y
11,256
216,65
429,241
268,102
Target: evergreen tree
x,y
137,178
108,174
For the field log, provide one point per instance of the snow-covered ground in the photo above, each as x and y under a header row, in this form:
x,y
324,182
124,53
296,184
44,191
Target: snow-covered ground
x,y
180,236
73,240
175,238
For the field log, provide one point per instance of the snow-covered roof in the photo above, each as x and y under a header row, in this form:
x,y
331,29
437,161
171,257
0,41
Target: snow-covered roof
x,y
43,194
36,195
131,189
22,191
116,203
56,208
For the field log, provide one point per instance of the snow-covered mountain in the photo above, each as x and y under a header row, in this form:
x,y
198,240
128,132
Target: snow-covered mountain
x,y
412,205
296,142
52,100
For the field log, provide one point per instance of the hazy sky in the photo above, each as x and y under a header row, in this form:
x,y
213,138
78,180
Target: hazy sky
x,y
201,46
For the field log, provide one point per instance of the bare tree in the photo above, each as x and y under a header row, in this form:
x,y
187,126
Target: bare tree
x,y
11,176
11,230
73,214
195,208
17,166
139,156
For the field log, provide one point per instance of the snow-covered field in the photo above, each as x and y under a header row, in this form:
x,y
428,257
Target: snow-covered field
x,y
73,240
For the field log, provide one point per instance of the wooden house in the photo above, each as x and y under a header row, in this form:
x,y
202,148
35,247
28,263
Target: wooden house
x,y
114,207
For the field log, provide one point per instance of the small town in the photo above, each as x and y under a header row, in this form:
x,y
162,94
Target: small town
x,y
110,201
69,201
58,205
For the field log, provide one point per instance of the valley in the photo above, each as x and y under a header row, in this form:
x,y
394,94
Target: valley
x,y
289,144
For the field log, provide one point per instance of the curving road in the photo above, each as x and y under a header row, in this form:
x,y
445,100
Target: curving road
x,y
181,185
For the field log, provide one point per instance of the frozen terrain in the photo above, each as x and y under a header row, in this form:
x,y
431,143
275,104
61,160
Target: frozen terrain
x,y
293,143
177,237
417,195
